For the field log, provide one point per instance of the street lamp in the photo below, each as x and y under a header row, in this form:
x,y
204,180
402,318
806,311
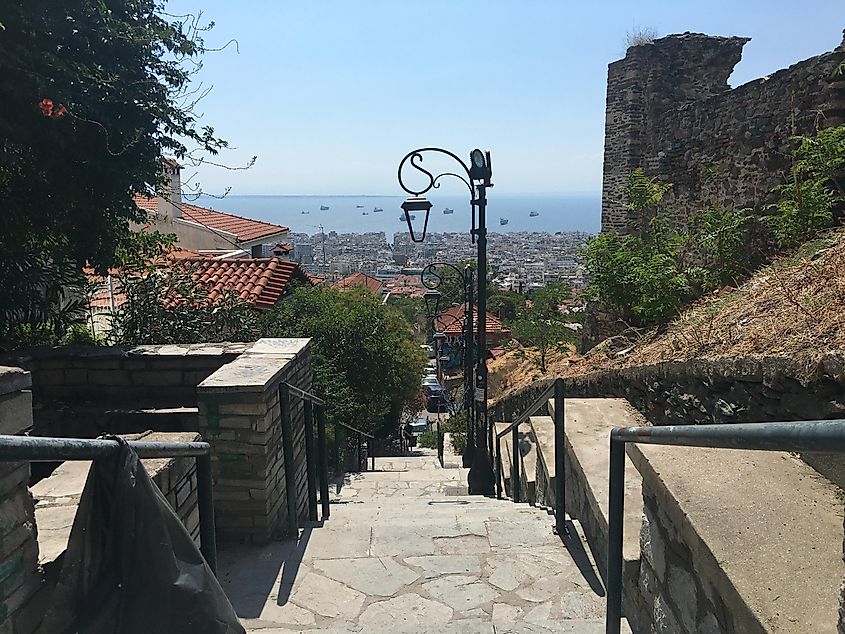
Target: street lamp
x,y
476,176
431,278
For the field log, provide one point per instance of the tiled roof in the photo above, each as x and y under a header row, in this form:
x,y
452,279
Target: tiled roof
x,y
244,229
451,321
359,279
258,281
145,202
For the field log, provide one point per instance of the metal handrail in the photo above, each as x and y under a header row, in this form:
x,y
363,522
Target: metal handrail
x,y
356,430
43,449
828,436
305,395
557,391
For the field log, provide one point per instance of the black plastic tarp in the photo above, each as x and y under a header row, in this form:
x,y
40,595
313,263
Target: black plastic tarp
x,y
130,565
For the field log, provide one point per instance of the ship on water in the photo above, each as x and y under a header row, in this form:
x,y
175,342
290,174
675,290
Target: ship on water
x,y
503,221
359,206
323,208
377,210
534,214
305,213
402,218
448,211
364,213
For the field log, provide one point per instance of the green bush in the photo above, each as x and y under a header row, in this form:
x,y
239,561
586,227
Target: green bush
x,y
82,335
427,439
649,274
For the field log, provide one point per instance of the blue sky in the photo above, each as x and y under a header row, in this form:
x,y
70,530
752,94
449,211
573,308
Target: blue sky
x,y
331,95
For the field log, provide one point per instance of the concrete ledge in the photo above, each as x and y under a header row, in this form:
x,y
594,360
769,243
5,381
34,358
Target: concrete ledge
x,y
14,380
57,496
746,541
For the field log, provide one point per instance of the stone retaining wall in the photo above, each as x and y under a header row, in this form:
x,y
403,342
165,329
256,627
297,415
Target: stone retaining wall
x,y
240,415
20,576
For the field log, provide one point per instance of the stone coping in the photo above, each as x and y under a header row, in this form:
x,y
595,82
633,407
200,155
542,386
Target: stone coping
x,y
762,527
57,496
257,368
14,379
587,437
108,352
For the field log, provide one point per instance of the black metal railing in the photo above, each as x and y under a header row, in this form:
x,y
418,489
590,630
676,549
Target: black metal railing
x,y
359,444
828,436
316,458
556,391
41,449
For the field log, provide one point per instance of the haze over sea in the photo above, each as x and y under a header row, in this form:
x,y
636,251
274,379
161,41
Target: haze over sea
x,y
557,212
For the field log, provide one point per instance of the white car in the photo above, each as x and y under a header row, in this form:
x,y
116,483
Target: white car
x,y
430,381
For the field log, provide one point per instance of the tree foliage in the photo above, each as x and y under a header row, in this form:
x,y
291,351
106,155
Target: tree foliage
x,y
648,275
365,360
541,323
813,196
94,92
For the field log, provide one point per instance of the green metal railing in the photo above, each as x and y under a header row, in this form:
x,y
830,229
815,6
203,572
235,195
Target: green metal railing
x,y
828,436
556,391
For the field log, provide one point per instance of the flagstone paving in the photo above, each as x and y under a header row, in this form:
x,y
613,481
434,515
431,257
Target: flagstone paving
x,y
406,550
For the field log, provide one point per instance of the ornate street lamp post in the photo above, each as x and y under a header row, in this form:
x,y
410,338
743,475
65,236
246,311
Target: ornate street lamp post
x,y
478,173
432,280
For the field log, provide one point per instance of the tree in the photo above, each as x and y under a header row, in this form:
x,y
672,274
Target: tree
x,y
541,323
366,362
94,93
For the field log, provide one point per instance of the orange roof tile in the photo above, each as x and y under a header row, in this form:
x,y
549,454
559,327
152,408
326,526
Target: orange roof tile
x,y
244,229
359,279
451,321
258,281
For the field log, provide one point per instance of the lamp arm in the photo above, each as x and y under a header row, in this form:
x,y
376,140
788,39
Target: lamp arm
x,y
429,271
415,157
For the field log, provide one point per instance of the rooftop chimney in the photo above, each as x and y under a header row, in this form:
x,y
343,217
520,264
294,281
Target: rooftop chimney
x,y
170,202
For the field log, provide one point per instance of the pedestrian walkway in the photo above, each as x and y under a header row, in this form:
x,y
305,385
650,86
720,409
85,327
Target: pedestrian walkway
x,y
407,550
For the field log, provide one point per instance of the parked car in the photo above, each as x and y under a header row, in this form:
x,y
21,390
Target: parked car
x,y
430,381
429,350
419,425
437,399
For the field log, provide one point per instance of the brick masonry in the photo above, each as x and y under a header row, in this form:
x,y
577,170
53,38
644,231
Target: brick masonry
x,y
240,415
20,576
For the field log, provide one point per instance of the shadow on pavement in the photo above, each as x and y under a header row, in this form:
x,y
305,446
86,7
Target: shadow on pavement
x,y
573,544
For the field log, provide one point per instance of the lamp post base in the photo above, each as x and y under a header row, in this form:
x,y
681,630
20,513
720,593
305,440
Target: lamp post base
x,y
467,456
480,479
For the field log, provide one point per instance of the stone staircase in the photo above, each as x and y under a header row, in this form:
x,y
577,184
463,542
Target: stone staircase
x,y
407,550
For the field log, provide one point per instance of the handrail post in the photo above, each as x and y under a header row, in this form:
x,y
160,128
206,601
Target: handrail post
x,y
205,504
310,460
560,457
372,453
499,474
287,452
358,457
515,455
616,509
324,460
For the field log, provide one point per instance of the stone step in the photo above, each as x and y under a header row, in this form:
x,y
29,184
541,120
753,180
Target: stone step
x,y
587,434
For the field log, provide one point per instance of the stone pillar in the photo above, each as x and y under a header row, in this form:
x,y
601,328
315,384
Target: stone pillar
x,y
240,415
20,576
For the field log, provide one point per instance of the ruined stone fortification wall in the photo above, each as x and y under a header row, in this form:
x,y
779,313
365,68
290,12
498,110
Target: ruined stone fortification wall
x,y
671,111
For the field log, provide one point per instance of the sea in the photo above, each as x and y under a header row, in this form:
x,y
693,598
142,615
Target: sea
x,y
356,214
